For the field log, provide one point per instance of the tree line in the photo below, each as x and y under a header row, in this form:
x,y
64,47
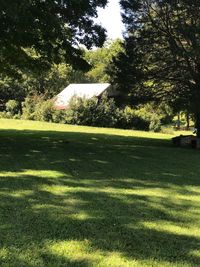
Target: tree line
x,y
157,62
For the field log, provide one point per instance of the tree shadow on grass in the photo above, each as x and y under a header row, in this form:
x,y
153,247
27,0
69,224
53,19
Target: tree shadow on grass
x,y
89,198
85,156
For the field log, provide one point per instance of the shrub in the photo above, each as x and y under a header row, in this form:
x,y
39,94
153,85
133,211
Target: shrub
x,y
107,113
44,111
5,115
149,114
155,123
58,116
92,112
129,119
28,108
17,116
81,111
12,107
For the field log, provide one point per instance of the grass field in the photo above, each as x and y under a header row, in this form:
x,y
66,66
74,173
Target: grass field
x,y
79,196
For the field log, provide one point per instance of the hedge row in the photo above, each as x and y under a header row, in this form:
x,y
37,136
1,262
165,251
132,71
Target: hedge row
x,y
90,112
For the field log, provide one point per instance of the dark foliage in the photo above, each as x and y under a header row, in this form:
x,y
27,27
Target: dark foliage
x,y
163,42
51,29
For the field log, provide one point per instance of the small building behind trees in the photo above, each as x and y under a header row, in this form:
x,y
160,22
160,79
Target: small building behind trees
x,y
62,100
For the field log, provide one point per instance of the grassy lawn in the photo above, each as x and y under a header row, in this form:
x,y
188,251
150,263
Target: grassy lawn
x,y
80,196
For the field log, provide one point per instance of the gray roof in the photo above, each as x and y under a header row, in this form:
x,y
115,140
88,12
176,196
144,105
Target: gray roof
x,y
80,90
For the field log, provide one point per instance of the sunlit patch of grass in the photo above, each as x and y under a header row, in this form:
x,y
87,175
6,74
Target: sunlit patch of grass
x,y
35,173
169,227
41,126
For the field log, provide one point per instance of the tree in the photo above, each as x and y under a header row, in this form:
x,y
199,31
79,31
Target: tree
x,y
35,34
124,72
100,58
50,82
166,36
54,80
11,88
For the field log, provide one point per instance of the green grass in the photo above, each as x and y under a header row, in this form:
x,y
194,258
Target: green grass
x,y
81,196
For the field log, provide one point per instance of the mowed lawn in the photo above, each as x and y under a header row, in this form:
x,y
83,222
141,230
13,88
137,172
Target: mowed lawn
x,y
81,196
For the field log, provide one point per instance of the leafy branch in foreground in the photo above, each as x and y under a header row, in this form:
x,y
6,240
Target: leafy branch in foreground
x,y
35,34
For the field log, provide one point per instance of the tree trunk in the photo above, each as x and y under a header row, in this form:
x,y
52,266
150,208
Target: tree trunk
x,y
179,122
187,120
197,125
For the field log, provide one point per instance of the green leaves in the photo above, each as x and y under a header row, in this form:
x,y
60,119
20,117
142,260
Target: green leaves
x,y
53,29
165,38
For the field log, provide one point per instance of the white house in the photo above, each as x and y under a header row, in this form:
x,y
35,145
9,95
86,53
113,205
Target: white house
x,y
82,90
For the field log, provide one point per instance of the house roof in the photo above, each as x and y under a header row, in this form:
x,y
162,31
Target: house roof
x,y
80,90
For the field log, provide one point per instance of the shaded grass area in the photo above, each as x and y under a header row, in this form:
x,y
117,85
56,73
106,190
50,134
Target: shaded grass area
x,y
70,198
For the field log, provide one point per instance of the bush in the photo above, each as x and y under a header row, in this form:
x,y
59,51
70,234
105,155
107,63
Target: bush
x,y
92,112
31,107
81,111
59,116
12,107
130,119
107,114
5,115
28,107
44,111
149,114
17,116
155,123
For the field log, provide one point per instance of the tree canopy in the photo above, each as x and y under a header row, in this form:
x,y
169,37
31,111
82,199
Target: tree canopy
x,y
163,37
100,58
37,33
